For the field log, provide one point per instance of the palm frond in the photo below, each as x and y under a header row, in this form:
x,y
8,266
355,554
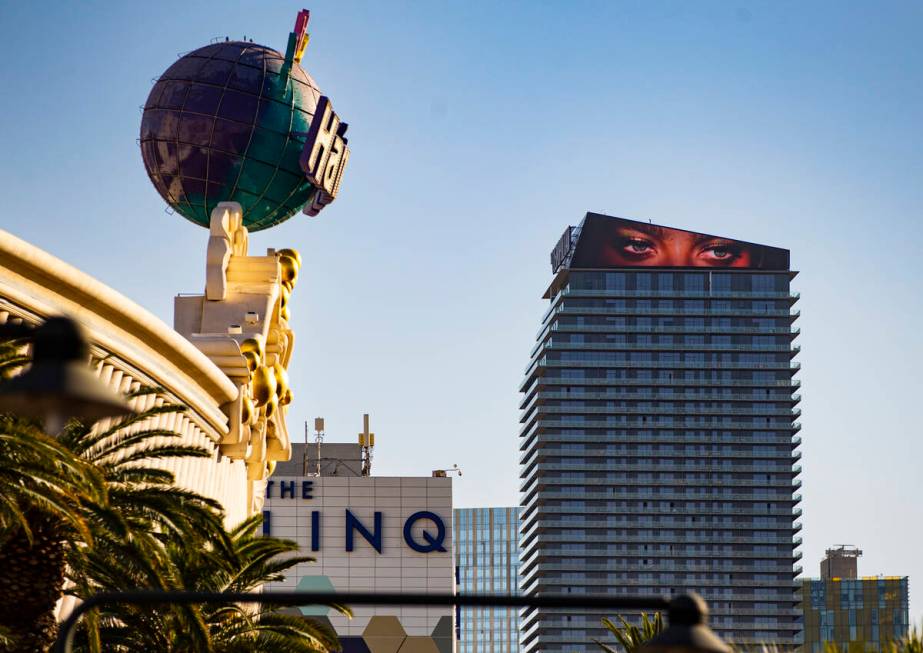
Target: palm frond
x,y
630,636
133,527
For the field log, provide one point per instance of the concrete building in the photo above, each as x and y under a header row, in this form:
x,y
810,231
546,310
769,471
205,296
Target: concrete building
x,y
857,614
487,562
658,439
368,534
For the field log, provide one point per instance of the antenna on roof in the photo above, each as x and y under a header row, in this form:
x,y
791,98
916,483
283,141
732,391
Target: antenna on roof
x,y
319,439
367,443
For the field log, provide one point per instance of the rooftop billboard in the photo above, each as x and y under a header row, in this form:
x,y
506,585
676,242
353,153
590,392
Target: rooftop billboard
x,y
608,242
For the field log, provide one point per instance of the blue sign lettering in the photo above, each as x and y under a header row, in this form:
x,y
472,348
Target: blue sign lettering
x,y
433,543
315,530
353,524
286,488
307,488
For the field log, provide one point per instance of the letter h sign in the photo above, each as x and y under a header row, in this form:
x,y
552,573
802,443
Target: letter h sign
x,y
325,154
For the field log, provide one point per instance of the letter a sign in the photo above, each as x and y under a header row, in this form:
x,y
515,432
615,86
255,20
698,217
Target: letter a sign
x,y
325,154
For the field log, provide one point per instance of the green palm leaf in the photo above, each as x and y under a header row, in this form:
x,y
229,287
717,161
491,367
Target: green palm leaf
x,y
630,636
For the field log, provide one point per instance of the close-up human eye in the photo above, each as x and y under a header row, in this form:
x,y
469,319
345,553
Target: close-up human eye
x,y
720,252
637,246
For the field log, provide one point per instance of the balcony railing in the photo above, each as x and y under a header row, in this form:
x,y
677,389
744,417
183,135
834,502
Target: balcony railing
x,y
711,425
713,310
632,410
678,330
683,537
679,515
654,467
558,344
545,380
645,365
705,484
678,294
558,326
578,394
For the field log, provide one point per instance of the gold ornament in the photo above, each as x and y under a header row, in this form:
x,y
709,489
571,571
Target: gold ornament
x,y
272,406
247,411
263,385
283,303
281,379
293,253
289,267
252,350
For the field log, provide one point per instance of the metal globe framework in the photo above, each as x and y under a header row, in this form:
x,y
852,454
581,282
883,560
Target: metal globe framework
x,y
227,122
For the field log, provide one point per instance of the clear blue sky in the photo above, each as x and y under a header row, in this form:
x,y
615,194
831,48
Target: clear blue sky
x,y
478,131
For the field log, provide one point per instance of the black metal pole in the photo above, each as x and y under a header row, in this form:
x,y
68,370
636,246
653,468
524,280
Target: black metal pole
x,y
151,597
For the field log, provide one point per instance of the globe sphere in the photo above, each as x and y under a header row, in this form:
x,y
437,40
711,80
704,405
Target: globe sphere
x,y
226,123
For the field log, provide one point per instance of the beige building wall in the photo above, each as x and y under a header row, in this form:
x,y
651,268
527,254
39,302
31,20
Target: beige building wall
x,y
397,568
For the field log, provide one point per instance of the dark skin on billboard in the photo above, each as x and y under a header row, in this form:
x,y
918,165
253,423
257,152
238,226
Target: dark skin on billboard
x,y
650,245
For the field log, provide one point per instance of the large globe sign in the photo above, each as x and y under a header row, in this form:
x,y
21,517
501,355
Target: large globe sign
x,y
235,121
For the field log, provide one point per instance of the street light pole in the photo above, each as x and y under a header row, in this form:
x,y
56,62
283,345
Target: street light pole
x,y
58,385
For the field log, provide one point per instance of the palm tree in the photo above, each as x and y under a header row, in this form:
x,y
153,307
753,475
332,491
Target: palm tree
x,y
43,490
242,564
145,508
93,505
632,637
155,535
144,503
60,498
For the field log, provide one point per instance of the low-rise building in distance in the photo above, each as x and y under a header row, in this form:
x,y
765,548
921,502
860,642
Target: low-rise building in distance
x,y
856,613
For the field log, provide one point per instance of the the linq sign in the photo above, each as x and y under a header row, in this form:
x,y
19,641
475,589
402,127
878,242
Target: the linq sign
x,y
433,541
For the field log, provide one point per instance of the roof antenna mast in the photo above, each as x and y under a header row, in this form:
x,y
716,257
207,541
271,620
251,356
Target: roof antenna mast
x,y
318,438
366,443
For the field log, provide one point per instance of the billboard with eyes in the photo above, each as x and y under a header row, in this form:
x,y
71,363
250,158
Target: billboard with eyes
x,y
610,242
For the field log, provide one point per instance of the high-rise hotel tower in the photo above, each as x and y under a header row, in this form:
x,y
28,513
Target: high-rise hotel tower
x,y
658,442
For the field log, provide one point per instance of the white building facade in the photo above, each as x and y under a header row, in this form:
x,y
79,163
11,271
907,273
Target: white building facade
x,y
370,534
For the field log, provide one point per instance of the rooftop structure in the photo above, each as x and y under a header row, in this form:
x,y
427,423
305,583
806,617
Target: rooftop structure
x,y
841,562
336,459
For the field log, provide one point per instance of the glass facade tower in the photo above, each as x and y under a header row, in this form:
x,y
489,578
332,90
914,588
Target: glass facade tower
x,y
487,562
658,445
